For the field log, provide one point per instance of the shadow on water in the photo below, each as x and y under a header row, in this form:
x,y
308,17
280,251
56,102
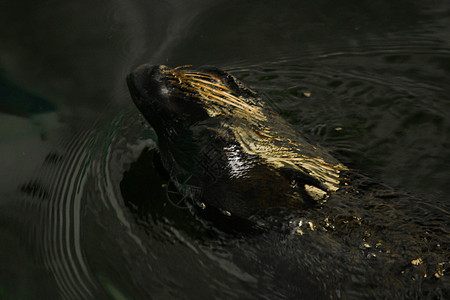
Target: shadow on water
x,y
83,205
147,191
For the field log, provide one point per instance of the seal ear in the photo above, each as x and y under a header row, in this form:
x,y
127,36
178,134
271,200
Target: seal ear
x,y
308,186
302,178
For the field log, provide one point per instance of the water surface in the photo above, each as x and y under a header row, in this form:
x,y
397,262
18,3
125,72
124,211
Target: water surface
x,y
85,215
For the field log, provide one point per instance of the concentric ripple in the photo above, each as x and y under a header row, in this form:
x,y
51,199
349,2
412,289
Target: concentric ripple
x,y
101,224
59,198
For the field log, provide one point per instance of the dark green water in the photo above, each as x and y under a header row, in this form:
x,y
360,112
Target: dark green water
x,y
83,214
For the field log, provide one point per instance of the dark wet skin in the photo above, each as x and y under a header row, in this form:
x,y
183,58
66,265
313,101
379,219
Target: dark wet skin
x,y
228,150
210,127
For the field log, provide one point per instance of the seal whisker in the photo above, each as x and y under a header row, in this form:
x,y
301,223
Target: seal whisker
x,y
210,83
209,87
180,67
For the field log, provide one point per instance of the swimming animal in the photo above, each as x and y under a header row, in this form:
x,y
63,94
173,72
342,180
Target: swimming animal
x,y
226,146
227,149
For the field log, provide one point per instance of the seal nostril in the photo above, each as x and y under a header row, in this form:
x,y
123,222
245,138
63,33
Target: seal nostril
x,y
146,84
155,73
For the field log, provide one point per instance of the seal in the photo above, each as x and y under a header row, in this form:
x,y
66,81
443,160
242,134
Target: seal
x,y
226,147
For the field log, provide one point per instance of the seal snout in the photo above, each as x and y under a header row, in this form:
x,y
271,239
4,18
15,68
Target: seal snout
x,y
145,83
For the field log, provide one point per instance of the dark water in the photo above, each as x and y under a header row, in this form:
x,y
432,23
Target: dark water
x,y
83,214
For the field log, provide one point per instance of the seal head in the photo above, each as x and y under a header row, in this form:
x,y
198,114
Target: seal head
x,y
225,146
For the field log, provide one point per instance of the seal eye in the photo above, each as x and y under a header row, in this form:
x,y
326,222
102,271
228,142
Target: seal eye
x,y
233,83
